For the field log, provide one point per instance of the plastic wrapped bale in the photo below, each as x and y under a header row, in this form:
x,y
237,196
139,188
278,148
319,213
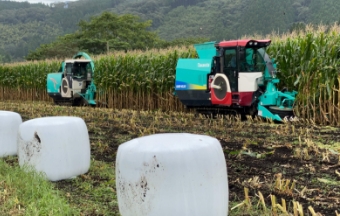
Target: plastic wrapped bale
x,y
57,146
172,174
9,126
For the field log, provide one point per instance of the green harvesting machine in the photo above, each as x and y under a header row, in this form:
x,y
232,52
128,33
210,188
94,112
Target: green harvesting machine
x,y
73,83
235,75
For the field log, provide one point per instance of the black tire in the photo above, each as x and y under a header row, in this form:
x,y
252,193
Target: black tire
x,y
84,103
56,102
75,102
252,110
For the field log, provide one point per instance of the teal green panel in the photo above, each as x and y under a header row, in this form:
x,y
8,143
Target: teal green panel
x,y
53,82
191,74
206,50
265,113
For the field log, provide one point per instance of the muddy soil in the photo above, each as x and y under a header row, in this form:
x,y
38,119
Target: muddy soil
x,y
260,156
267,154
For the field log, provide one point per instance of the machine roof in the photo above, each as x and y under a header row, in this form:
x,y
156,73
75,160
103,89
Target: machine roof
x,y
76,60
244,42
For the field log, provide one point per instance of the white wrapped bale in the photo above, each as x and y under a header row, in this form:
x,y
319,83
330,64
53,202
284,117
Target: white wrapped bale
x,y
172,174
9,126
58,146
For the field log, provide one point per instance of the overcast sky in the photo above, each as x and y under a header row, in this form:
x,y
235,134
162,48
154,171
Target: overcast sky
x,y
43,1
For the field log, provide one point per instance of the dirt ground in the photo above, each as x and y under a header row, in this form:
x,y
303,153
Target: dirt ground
x,y
295,161
259,155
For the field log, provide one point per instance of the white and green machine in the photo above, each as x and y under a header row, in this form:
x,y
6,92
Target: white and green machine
x,y
235,75
73,83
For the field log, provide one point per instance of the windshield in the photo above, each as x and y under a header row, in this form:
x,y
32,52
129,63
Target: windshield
x,y
252,61
80,69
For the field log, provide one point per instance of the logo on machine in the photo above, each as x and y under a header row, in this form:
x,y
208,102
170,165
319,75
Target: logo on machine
x,y
181,86
200,65
54,82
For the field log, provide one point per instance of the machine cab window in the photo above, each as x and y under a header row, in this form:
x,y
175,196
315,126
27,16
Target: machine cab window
x,y
78,70
230,67
251,60
230,59
68,69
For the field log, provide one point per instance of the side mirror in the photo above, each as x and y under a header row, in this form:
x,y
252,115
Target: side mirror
x,y
242,56
220,53
217,63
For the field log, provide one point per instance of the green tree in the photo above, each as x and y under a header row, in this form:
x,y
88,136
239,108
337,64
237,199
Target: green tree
x,y
101,34
111,31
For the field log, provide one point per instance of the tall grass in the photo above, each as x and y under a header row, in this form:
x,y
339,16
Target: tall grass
x,y
26,192
308,62
139,80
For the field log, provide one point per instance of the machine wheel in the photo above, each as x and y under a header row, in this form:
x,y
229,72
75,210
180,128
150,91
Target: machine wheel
x,y
251,111
56,102
84,103
221,93
77,102
285,112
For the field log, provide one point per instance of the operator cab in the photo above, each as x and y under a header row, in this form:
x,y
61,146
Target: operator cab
x,y
78,73
79,69
241,66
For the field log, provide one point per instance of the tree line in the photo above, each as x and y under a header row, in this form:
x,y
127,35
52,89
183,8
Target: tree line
x,y
34,31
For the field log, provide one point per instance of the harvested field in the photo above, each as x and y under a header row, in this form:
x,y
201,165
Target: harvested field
x,y
297,162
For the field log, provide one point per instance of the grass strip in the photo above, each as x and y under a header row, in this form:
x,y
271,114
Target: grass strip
x,y
26,192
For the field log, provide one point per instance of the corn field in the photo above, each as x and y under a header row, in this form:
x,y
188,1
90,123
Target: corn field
x,y
140,81
308,62
136,80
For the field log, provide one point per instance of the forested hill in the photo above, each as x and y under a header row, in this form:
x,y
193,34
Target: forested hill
x,y
24,27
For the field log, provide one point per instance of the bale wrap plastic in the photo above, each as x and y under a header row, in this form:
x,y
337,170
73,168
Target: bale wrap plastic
x,y
9,126
172,174
58,146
